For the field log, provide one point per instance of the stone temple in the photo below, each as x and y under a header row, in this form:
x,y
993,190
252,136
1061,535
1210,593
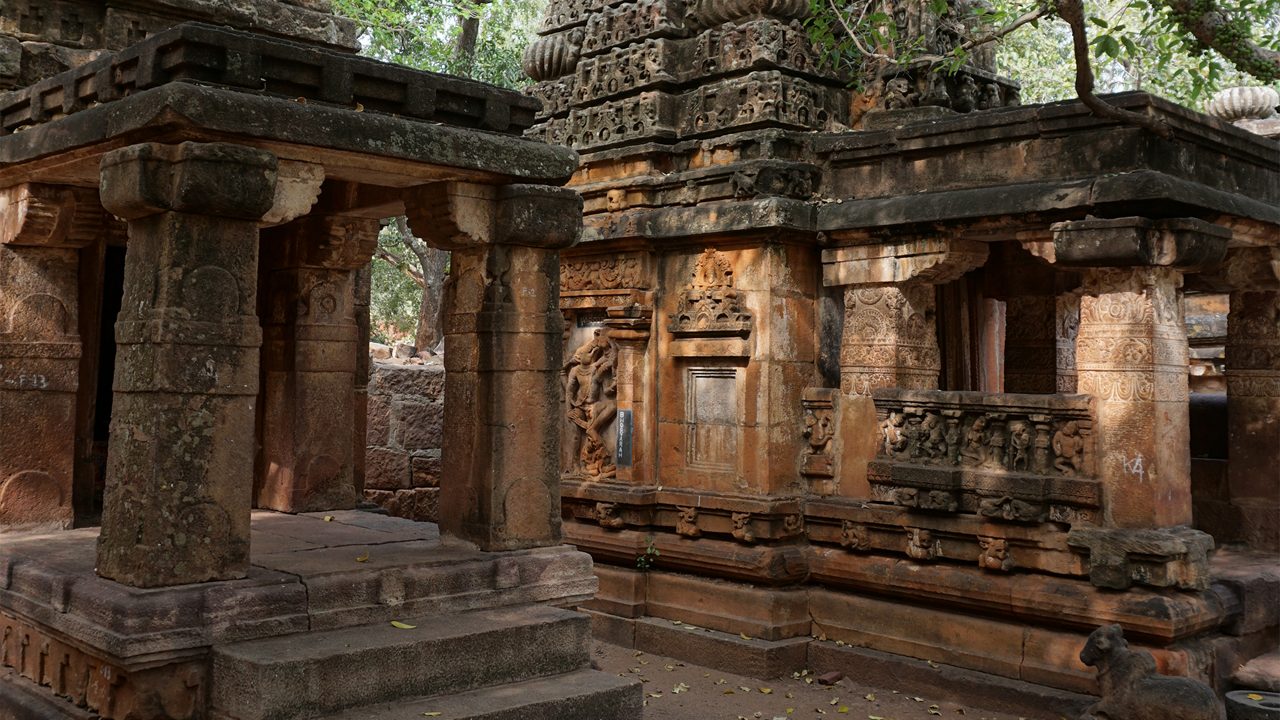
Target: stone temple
x,y
842,378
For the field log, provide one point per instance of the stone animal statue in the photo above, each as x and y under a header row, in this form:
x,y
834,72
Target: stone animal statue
x,y
1132,690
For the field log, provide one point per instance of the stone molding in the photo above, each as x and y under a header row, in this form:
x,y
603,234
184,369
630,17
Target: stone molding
x,y
931,260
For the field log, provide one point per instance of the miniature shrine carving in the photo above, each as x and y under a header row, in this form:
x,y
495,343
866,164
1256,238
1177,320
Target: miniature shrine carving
x,y
710,305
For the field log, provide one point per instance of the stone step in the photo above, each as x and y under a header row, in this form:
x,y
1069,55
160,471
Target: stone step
x,y
311,674
581,695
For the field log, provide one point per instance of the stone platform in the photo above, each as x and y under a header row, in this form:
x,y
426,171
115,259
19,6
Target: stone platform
x,y
308,633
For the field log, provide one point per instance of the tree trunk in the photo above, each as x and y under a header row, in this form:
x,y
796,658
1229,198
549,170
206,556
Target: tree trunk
x,y
466,47
434,264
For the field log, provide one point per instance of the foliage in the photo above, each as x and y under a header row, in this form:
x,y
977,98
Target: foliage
x,y
424,33
649,557
395,298
1136,44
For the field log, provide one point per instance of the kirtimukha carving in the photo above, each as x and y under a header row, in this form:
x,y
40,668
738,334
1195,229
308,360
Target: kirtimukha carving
x,y
921,544
607,515
591,392
995,554
742,527
855,536
687,522
1133,690
711,305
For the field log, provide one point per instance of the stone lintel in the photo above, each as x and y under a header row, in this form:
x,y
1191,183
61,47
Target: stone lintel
x,y
458,216
1183,243
49,215
931,260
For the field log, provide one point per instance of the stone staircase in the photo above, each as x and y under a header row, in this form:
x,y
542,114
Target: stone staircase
x,y
528,662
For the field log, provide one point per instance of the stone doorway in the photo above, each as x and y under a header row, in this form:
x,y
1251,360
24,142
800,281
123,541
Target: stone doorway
x,y
100,366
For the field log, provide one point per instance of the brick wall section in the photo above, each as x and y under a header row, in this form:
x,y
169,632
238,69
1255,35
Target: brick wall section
x,y
406,420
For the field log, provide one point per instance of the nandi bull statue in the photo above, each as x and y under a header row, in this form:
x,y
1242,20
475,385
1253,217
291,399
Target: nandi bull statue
x,y
1132,690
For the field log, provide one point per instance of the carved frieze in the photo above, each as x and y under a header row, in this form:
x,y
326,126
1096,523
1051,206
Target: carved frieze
x,y
711,13
556,96
616,272
759,98
710,305
645,65
591,397
1010,458
649,115
168,692
632,22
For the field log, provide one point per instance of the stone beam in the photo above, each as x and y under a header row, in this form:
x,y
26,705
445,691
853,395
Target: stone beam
x,y
933,261
503,349
180,470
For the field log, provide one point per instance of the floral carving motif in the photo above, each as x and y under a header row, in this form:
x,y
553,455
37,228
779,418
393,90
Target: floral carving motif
x,y
613,273
711,305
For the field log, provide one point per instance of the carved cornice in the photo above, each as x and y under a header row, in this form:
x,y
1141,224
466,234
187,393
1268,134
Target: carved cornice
x,y
933,261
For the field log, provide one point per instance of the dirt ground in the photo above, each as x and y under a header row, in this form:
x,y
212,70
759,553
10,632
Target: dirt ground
x,y
678,691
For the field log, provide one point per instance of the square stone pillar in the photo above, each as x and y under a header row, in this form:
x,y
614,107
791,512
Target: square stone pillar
x,y
503,336
630,330
1131,356
180,468
41,229
311,353
1253,394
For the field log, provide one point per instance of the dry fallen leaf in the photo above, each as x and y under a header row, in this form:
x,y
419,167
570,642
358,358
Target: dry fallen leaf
x,y
766,691
402,626
1254,696
432,714
933,710
363,558
359,107
328,518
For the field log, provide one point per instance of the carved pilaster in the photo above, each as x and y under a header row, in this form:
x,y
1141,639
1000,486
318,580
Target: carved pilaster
x,y
1253,394
311,337
503,336
42,228
629,328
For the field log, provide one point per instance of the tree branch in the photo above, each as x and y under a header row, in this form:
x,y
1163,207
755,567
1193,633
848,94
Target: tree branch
x,y
1027,17
1229,36
1073,12
399,263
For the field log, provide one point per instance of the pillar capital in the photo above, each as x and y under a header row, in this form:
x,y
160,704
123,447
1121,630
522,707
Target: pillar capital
x,y
930,260
49,215
456,215
1187,244
215,179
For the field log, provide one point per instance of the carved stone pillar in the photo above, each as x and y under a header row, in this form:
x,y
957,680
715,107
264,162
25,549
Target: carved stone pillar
x,y
41,229
503,337
311,350
1131,355
1253,394
890,338
180,472
1067,322
359,441
629,329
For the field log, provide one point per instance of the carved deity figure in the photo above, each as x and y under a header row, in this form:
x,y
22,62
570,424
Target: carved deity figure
x,y
898,95
997,440
989,97
1068,449
591,394
817,430
933,441
854,536
1020,441
894,431
974,452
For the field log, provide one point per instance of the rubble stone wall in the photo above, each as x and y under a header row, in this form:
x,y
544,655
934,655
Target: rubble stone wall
x,y
406,424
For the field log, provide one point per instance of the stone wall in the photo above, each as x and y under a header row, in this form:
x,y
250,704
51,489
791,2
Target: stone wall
x,y
406,422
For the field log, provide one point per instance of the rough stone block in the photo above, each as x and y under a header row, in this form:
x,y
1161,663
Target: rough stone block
x,y
417,425
424,471
386,469
424,381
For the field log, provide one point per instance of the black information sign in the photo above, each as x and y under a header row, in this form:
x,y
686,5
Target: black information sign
x,y
622,457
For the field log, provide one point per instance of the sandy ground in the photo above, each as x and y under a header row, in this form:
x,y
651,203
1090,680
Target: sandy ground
x,y
679,691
